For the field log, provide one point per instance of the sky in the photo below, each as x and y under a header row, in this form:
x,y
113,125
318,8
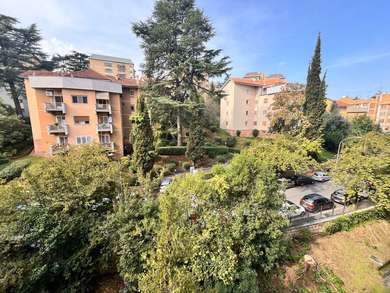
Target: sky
x,y
258,35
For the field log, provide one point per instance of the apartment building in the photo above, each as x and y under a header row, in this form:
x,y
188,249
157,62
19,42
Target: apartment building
x,y
78,108
248,102
115,67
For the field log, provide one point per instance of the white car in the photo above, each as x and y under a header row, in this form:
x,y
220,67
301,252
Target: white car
x,y
291,210
320,176
164,183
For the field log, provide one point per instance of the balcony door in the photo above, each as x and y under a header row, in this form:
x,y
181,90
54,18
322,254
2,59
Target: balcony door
x,y
60,119
103,119
104,138
62,140
58,100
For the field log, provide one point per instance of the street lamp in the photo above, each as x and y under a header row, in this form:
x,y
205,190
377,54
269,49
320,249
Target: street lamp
x,y
341,146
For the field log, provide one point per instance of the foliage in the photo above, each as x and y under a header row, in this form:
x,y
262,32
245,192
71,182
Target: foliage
x,y
195,151
362,125
212,152
75,61
315,101
142,139
172,151
238,133
224,158
346,223
50,219
19,51
13,170
177,61
231,141
335,128
364,166
216,233
186,165
255,132
287,116
15,133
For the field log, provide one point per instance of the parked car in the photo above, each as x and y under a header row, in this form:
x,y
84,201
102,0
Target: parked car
x,y
340,196
316,202
288,183
164,183
303,180
291,210
320,176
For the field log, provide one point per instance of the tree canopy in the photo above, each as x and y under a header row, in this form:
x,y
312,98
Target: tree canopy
x,y
75,61
361,125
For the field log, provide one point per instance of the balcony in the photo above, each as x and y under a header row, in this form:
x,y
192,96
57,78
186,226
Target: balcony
x,y
58,129
108,146
357,109
103,108
55,107
104,127
56,149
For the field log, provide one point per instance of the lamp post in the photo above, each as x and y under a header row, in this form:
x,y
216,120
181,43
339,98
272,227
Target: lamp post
x,y
341,146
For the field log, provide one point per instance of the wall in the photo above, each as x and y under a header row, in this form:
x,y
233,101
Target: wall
x,y
98,66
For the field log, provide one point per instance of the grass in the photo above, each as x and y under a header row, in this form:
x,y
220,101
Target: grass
x,y
33,159
325,155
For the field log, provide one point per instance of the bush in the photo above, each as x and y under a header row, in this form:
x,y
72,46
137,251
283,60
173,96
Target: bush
x,y
3,160
172,151
186,165
231,141
255,133
346,223
14,169
169,169
238,132
224,158
213,128
212,152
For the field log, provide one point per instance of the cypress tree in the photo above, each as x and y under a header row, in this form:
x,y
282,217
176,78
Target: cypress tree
x,y
195,143
142,138
315,102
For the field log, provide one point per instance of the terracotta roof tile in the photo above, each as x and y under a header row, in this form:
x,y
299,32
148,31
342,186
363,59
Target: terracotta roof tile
x,y
263,82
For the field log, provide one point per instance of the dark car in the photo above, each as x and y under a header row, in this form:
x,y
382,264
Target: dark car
x,y
303,180
316,202
340,196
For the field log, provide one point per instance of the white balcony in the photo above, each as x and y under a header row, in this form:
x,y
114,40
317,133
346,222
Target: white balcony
x,y
105,127
103,108
55,107
357,109
57,129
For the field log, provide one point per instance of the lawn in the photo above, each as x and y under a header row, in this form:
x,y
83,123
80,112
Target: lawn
x,y
33,159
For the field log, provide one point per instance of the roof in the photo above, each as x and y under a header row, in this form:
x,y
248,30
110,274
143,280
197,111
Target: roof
x,y
127,82
88,73
347,101
385,99
111,59
257,83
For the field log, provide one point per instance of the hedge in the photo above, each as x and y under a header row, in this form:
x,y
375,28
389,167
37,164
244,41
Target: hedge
x,y
14,169
181,151
346,223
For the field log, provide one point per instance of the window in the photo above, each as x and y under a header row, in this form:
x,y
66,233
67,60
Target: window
x,y
132,108
246,113
81,120
62,140
60,119
254,123
80,99
108,70
108,64
226,123
104,138
121,76
103,119
246,123
83,139
121,68
247,101
131,92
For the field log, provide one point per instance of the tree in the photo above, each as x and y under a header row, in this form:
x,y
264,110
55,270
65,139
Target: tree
x,y
75,61
315,101
364,167
142,138
177,61
286,115
50,221
361,125
195,142
15,133
19,51
335,129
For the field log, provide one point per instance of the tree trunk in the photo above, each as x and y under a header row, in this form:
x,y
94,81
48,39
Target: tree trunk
x,y
15,97
179,131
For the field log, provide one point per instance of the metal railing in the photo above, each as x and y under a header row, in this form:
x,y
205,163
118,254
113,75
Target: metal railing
x,y
104,127
109,146
103,108
57,128
55,107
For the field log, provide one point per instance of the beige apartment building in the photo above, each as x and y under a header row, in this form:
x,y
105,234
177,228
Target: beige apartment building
x,y
248,102
115,67
76,108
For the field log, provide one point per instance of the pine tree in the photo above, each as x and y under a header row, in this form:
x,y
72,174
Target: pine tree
x,y
75,61
315,102
177,61
19,51
195,142
142,138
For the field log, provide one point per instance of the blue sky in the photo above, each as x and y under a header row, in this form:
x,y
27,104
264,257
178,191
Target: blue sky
x,y
263,35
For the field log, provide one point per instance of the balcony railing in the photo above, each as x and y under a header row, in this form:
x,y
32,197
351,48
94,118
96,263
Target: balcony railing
x,y
58,129
55,107
58,149
357,109
103,108
109,146
102,127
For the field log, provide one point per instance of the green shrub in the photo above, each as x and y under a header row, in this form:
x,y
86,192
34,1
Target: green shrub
x,y
213,128
14,169
186,165
238,132
218,141
169,169
346,223
231,141
172,151
212,152
224,158
3,160
255,133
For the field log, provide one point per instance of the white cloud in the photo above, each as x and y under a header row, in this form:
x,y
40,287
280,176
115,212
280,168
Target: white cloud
x,y
54,46
353,60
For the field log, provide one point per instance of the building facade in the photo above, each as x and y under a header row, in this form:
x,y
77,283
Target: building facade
x,y
248,102
68,109
115,67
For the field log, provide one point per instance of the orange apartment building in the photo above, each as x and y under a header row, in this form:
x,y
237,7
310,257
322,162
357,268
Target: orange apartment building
x,y
81,107
377,108
248,102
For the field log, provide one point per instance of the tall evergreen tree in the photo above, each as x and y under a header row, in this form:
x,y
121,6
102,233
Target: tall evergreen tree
x,y
75,61
195,143
177,61
142,138
19,51
315,102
